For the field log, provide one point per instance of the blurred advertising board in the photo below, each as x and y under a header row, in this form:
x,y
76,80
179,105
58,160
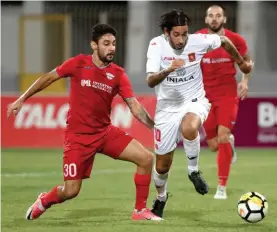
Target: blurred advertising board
x,y
42,119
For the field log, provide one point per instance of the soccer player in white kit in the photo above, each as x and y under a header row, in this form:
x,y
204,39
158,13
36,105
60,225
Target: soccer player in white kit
x,y
173,68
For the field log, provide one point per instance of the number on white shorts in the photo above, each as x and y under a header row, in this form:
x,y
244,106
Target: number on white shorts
x,y
70,170
157,135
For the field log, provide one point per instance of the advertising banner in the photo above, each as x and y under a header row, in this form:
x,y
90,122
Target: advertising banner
x,y
256,124
41,122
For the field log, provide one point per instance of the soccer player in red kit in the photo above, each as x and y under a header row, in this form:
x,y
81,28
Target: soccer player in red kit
x,y
219,72
94,82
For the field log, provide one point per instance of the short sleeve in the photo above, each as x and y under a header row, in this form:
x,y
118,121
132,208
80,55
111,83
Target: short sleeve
x,y
213,41
67,68
125,88
241,45
154,56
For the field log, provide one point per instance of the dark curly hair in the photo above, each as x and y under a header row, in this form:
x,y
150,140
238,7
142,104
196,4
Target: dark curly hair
x,y
172,19
100,30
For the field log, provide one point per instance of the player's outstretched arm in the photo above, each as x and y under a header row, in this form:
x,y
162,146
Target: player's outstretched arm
x,y
40,84
139,112
227,44
156,78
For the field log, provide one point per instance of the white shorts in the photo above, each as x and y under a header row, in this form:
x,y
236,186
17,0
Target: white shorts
x,y
167,133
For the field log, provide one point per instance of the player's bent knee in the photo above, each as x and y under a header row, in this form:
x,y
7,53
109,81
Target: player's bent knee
x,y
224,138
71,193
162,169
213,145
149,159
223,134
163,166
72,189
190,131
190,125
146,160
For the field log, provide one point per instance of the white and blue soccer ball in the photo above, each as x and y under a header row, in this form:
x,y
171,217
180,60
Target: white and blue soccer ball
x,y
252,207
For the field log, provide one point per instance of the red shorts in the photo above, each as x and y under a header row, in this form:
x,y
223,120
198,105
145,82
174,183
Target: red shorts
x,y
223,112
79,150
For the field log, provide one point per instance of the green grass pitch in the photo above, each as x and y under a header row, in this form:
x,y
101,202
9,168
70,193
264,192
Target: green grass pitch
x,y
106,200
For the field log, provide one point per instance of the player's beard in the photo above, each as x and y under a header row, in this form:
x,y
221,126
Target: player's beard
x,y
107,59
216,28
179,47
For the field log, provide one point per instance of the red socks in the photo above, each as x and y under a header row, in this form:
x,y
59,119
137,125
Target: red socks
x,y
224,159
51,198
142,190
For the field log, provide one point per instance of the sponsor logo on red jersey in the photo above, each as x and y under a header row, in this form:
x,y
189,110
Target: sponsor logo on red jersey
x,y
97,85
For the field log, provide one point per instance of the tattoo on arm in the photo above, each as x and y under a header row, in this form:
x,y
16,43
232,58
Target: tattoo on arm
x,y
139,112
231,49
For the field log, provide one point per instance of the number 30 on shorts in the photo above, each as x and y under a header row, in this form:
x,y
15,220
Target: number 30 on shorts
x,y
70,170
157,135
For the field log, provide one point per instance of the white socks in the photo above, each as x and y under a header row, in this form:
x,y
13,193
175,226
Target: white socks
x,y
192,150
161,184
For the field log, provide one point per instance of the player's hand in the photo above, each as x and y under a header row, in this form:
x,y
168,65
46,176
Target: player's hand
x,y
14,108
246,66
178,63
243,89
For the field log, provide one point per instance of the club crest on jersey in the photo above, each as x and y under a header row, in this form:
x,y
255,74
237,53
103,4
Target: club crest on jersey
x,y
191,56
181,72
109,76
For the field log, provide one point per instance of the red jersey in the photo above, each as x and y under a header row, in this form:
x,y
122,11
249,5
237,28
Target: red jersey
x,y
218,68
92,90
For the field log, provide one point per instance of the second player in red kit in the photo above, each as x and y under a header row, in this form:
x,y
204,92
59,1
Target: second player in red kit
x,y
94,82
219,72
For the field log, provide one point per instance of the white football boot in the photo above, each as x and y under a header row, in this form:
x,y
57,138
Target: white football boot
x,y
220,193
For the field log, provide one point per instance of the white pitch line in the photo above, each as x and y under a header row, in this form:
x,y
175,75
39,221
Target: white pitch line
x,y
94,172
123,170
29,174
45,174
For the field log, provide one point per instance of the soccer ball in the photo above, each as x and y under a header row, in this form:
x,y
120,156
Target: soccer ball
x,y
252,207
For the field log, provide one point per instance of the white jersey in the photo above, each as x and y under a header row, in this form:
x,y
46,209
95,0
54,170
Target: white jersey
x,y
185,83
